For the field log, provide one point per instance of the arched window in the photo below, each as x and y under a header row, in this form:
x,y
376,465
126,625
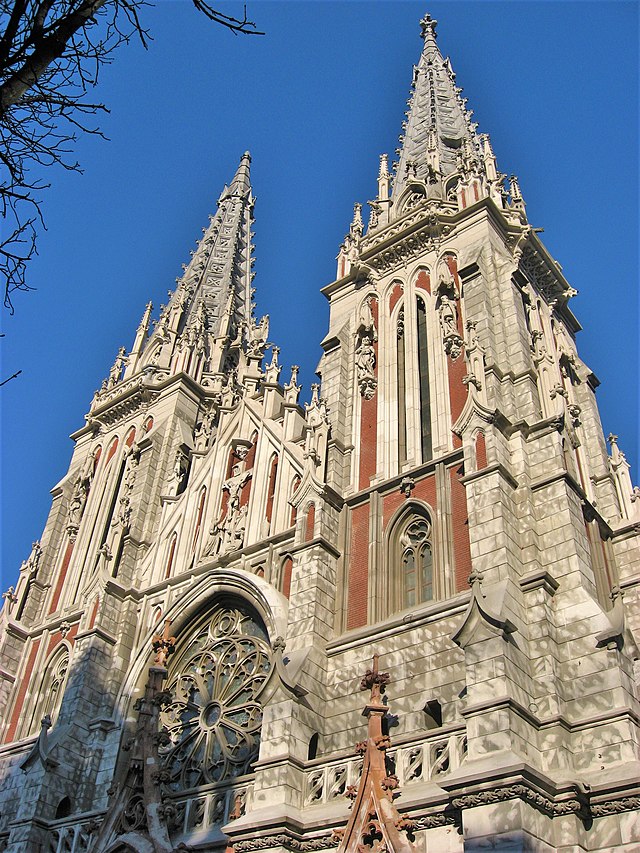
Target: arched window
x,y
271,488
402,402
294,487
417,562
423,371
214,717
410,578
170,555
52,688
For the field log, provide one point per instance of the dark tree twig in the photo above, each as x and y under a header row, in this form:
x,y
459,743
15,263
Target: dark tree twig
x,y
51,52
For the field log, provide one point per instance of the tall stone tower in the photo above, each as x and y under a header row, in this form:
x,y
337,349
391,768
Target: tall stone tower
x,y
224,571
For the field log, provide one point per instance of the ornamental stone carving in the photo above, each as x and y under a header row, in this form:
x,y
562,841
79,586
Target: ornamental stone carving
x,y
214,715
365,367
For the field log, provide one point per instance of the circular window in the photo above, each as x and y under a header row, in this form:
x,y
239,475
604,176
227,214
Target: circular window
x,y
214,718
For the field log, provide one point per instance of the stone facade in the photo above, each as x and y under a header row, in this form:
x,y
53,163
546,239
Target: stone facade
x,y
184,652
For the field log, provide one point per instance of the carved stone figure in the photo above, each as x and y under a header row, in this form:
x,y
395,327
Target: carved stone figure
x,y
179,473
365,367
76,507
446,281
116,371
448,316
257,337
234,486
204,430
32,563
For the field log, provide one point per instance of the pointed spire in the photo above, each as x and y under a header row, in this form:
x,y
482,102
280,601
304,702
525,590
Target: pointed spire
x,y
241,183
438,125
212,301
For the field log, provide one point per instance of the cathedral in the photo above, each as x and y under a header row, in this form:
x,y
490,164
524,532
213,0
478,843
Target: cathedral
x,y
398,618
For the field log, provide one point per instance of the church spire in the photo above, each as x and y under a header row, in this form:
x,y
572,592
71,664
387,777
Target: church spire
x,y
211,306
438,127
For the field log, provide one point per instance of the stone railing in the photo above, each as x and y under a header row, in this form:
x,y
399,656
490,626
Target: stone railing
x,y
185,814
423,761
70,837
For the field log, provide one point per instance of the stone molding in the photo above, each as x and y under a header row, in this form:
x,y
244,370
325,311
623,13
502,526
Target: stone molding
x,y
541,802
539,579
287,841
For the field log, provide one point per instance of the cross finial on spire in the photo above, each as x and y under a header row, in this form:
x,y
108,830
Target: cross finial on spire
x,y
428,26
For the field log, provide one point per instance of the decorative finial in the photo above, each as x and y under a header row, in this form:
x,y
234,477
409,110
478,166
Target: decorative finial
x,y
428,27
163,645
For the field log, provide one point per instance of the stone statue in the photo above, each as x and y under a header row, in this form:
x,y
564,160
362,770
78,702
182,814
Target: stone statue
x,y
257,337
116,371
448,319
365,367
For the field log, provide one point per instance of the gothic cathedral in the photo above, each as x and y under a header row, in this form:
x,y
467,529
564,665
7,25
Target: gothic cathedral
x,y
398,618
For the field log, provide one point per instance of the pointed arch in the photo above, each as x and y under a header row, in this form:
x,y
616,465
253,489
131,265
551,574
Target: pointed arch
x,y
198,526
410,567
294,488
171,552
271,487
219,744
52,686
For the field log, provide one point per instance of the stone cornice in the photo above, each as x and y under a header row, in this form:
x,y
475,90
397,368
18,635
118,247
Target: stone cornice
x,y
317,541
393,483
421,615
100,633
539,579
496,468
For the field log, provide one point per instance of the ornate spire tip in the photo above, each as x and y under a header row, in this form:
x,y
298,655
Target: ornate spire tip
x,y
428,26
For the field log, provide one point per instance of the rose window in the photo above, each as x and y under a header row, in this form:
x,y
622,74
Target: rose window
x,y
214,717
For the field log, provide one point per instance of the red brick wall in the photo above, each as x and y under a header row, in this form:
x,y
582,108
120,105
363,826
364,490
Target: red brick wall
x,y
311,520
172,551
112,450
271,490
458,368
425,490
359,567
423,282
396,295
56,638
22,692
61,577
481,451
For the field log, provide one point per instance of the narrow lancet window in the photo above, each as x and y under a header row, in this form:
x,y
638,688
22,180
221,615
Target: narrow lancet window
x,y
423,370
402,414
417,563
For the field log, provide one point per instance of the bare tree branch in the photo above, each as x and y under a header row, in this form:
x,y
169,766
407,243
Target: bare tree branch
x,y
51,52
13,376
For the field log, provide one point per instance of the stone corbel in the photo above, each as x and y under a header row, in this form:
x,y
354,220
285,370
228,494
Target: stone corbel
x,y
613,635
289,672
482,617
285,675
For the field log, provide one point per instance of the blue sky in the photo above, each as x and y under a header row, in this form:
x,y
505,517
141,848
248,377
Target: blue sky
x,y
316,101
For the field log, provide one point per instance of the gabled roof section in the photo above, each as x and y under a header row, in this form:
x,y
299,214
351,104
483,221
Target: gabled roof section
x,y
438,125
